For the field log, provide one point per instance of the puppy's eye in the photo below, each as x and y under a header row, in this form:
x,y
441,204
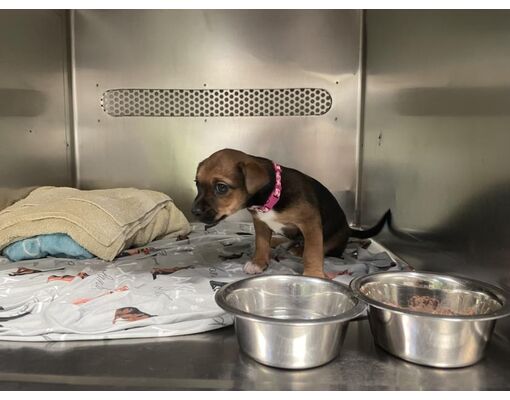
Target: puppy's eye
x,y
221,188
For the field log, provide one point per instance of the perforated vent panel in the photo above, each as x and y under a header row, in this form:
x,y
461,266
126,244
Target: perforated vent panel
x,y
215,102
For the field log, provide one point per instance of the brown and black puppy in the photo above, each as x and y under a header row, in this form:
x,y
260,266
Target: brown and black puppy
x,y
230,180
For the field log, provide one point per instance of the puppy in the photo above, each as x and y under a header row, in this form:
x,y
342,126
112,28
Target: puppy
x,y
281,200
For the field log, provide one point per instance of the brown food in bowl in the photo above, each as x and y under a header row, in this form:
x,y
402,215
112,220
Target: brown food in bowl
x,y
431,305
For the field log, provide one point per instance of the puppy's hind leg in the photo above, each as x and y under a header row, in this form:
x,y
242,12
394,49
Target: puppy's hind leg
x,y
260,260
335,245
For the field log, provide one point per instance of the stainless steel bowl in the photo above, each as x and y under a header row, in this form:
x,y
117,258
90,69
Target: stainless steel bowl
x,y
456,337
289,321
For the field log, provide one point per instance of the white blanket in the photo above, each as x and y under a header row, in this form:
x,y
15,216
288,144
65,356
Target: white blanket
x,y
165,289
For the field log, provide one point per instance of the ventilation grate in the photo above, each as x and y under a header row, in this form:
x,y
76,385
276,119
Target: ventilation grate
x,y
215,102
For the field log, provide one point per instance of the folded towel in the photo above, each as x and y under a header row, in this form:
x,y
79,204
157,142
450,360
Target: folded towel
x,y
104,222
55,245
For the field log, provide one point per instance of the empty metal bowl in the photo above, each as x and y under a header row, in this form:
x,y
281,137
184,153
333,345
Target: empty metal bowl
x,y
431,319
289,321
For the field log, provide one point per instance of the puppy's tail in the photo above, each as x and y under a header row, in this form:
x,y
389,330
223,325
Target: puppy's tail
x,y
365,234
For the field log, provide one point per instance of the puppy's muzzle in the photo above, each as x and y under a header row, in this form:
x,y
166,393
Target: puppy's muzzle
x,y
203,212
197,211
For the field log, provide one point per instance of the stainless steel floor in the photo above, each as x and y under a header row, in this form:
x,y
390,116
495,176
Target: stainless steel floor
x,y
213,361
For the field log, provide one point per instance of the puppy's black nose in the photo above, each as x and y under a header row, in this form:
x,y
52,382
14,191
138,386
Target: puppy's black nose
x,y
197,211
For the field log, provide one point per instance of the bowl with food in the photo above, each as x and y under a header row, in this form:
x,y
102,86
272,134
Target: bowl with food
x,y
432,319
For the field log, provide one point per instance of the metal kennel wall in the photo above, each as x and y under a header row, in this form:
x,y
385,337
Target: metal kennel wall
x,y
158,91
437,132
35,134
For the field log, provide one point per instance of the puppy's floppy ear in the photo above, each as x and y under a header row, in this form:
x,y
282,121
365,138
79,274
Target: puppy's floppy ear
x,y
255,176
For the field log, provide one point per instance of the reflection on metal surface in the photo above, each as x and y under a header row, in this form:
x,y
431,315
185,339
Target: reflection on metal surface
x,y
360,121
453,101
213,361
21,103
215,102
215,49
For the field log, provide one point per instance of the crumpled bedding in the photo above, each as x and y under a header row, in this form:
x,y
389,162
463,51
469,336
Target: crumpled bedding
x,y
163,289
103,221
54,245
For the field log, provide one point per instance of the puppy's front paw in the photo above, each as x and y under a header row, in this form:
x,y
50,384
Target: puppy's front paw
x,y
252,268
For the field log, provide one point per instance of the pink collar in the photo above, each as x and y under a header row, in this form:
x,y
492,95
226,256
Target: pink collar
x,y
275,195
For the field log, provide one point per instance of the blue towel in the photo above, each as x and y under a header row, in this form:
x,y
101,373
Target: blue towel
x,y
55,245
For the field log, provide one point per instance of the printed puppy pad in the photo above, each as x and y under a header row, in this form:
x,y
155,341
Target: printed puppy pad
x,y
164,289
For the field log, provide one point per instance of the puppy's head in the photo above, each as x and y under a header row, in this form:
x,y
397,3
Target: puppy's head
x,y
225,181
